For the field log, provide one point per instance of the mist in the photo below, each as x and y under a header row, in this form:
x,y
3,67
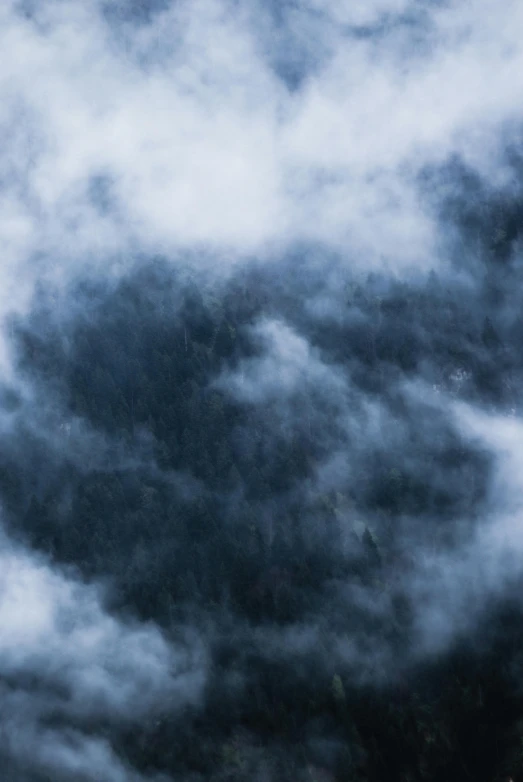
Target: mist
x,y
260,475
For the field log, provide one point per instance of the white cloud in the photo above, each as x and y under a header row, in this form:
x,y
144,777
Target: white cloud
x,y
286,366
451,591
357,12
65,657
203,145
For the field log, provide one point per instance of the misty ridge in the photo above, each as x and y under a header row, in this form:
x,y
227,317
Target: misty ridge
x,y
261,472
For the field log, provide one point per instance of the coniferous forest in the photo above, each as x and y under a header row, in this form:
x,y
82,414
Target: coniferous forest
x,y
211,451
261,488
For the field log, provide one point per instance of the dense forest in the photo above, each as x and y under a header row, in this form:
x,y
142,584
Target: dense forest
x,y
270,462
261,372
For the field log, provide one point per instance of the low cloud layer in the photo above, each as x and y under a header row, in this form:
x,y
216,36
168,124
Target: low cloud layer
x,y
180,131
70,672
259,403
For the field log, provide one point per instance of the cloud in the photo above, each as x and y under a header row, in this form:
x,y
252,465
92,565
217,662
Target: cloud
x,y
198,142
287,365
67,665
453,589
290,150
358,13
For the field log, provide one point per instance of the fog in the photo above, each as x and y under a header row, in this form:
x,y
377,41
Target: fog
x,y
260,475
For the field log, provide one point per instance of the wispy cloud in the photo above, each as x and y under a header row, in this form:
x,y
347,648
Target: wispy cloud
x,y
66,665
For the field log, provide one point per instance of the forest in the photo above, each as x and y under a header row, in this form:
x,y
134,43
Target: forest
x,y
249,459
261,372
